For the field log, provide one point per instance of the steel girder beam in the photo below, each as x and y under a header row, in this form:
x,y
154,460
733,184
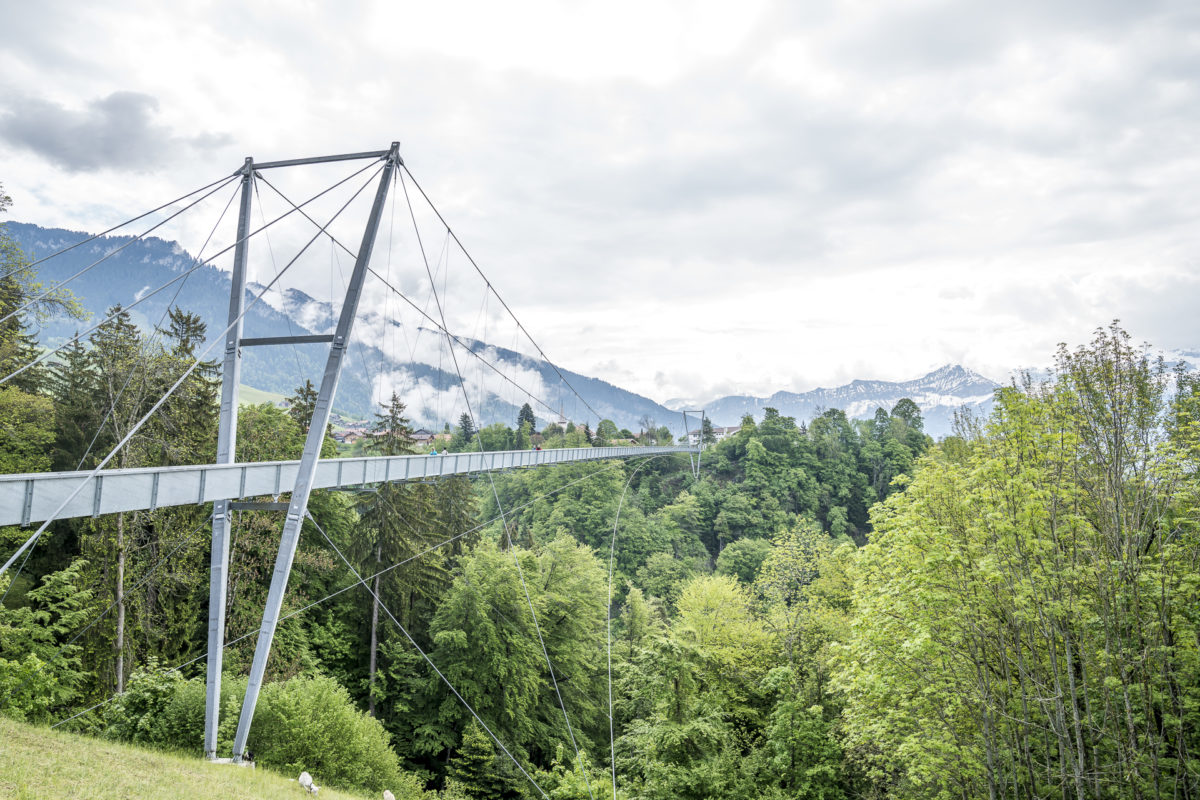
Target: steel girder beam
x,y
32,497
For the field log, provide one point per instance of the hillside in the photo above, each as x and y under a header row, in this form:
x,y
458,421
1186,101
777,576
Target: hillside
x,y
39,763
146,264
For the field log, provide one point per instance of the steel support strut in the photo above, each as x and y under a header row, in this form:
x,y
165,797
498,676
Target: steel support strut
x,y
308,461
231,375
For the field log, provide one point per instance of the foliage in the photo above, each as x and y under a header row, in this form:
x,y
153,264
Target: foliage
x,y
1024,617
525,416
139,714
311,724
393,435
568,780
27,422
477,771
802,756
743,558
464,433
1020,622
41,670
485,621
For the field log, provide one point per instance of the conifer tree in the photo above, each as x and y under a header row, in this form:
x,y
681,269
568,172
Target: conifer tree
x,y
302,404
456,511
474,771
524,439
188,421
391,429
526,415
399,525
466,429
73,387
124,383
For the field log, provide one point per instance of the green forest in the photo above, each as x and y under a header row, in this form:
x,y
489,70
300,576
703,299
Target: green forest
x,y
834,608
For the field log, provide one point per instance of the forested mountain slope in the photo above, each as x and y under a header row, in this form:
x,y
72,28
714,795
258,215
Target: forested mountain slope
x,y
144,265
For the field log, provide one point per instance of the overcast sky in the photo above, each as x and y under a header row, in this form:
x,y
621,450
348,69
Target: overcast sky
x,y
684,198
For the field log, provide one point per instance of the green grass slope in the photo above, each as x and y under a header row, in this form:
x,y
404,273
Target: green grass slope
x,y
250,396
41,763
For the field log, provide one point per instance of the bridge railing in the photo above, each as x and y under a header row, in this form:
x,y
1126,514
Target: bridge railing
x,y
33,497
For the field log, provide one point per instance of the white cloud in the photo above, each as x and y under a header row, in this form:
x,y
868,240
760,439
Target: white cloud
x,y
682,198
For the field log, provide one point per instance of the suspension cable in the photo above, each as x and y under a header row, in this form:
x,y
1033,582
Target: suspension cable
x,y
154,334
33,539
500,507
428,660
441,328
120,393
178,545
204,263
94,237
609,466
466,253
111,253
271,252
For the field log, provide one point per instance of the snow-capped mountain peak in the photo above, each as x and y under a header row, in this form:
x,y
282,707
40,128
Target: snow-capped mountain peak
x,y
938,394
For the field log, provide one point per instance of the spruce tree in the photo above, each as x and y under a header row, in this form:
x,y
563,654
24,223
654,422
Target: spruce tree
x,y
302,404
466,428
188,420
526,415
473,771
73,387
391,429
400,523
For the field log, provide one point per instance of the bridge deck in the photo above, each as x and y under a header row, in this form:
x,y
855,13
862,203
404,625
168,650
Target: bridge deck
x,y
32,497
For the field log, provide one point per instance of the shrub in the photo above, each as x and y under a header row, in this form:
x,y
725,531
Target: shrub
x,y
299,724
183,716
137,714
161,709
311,724
743,559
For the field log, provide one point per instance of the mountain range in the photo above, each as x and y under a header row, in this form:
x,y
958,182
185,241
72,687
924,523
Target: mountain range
x,y
428,386
431,390
938,394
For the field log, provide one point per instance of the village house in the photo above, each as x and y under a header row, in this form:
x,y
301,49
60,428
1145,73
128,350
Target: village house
x,y
720,433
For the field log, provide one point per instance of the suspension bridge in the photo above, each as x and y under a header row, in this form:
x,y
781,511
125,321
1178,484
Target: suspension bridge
x,y
229,486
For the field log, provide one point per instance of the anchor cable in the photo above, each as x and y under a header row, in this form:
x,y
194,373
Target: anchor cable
x,y
109,254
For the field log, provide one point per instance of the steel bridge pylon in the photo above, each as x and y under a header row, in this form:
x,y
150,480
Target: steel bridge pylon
x,y
227,445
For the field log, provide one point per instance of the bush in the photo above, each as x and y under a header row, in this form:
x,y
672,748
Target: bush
x,y
311,724
137,714
161,709
300,724
183,717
